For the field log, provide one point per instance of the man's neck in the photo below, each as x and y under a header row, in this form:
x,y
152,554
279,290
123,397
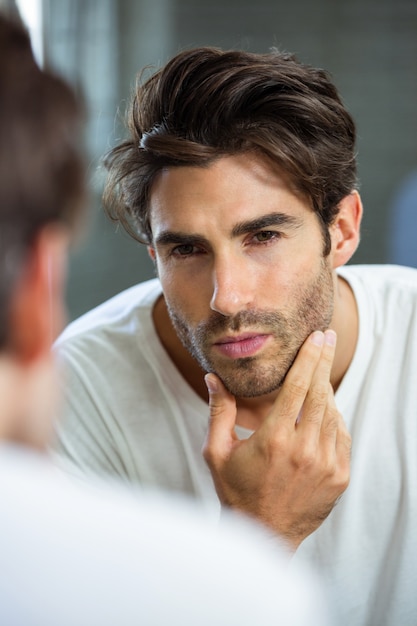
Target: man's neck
x,y
251,411
28,401
346,324
10,393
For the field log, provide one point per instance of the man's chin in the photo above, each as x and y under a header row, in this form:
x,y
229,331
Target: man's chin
x,y
252,385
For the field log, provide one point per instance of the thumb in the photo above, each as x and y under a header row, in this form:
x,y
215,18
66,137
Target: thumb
x,y
220,434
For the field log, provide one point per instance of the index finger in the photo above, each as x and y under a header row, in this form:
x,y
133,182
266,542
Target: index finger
x,y
220,433
314,409
297,382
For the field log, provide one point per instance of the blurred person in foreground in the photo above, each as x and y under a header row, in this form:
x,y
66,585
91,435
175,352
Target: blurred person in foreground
x,y
239,174
89,554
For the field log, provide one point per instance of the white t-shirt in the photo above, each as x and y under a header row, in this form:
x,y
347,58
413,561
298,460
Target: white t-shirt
x,y
131,414
128,411
91,555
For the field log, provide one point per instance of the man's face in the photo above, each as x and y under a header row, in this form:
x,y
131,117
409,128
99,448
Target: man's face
x,y
240,259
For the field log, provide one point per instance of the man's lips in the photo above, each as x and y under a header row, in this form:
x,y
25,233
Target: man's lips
x,y
241,346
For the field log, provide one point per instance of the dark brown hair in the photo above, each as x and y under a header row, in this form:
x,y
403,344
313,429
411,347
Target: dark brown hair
x,y
207,103
41,169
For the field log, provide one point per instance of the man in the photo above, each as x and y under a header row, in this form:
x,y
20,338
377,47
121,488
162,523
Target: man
x,y
91,554
239,175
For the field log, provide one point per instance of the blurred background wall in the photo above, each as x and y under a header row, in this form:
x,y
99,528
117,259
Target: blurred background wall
x,y
369,46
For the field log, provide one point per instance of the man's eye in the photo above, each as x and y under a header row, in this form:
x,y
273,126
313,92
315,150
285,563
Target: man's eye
x,y
185,249
266,235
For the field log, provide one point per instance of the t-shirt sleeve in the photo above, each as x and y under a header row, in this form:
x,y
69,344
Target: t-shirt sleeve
x,y
86,433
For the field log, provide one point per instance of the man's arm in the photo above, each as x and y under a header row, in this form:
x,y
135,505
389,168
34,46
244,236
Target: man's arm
x,y
293,468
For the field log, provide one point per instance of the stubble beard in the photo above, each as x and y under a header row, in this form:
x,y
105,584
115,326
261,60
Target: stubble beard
x,y
254,376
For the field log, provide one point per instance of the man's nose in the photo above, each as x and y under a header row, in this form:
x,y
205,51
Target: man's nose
x,y
233,290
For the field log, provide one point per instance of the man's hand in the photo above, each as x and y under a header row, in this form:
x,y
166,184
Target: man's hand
x,y
290,472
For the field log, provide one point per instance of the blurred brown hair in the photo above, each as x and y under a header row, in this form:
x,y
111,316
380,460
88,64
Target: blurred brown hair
x,y
41,168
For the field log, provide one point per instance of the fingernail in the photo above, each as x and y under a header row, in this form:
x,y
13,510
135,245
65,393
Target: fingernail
x,y
211,383
330,337
317,338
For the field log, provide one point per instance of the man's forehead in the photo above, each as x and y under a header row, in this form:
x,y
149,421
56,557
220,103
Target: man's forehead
x,y
256,164
241,186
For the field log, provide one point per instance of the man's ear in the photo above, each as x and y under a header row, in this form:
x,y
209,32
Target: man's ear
x,y
345,230
37,311
152,255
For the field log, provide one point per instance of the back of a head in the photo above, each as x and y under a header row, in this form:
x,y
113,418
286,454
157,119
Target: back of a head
x,y
41,170
207,103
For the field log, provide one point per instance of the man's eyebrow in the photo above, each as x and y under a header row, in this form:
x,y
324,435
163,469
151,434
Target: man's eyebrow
x,y
169,237
271,219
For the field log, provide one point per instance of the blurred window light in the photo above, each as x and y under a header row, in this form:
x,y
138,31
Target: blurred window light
x,y
31,14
